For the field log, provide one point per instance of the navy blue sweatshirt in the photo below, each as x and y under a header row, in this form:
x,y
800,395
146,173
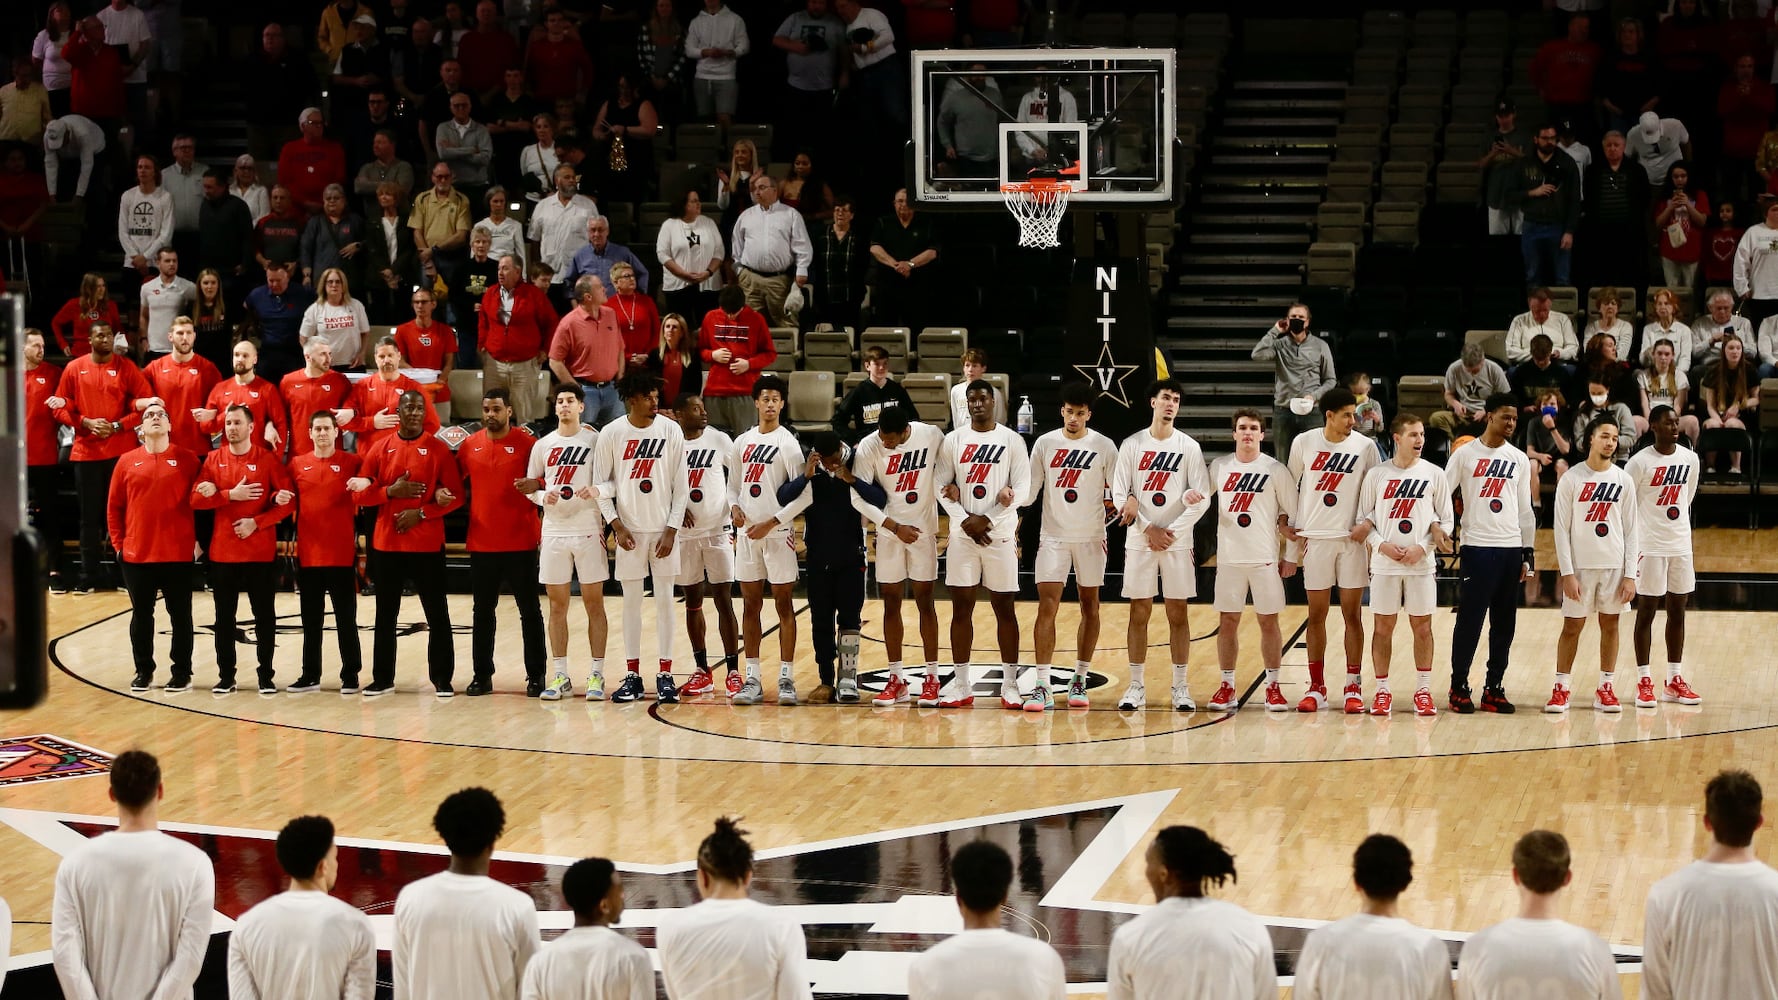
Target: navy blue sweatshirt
x,y
832,531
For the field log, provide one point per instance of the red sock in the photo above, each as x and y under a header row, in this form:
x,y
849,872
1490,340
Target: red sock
x,y
633,666
1316,670
666,666
1354,669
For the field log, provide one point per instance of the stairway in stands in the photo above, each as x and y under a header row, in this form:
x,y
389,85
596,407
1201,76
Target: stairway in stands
x,y
1240,262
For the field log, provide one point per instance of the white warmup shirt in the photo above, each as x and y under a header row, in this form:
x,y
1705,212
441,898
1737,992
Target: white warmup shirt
x,y
144,223
758,464
1074,478
589,963
1250,496
706,483
1546,959
1192,948
1596,520
910,474
1711,930
132,917
1402,505
1665,488
641,474
303,945
462,937
166,301
982,464
732,949
988,965
1496,485
343,327
1374,958
1158,473
565,464
1328,478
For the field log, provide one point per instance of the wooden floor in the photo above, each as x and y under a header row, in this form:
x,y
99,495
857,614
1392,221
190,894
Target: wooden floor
x,y
1290,795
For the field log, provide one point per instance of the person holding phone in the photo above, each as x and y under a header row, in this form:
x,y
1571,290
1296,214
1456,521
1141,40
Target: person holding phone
x,y
1547,187
1303,369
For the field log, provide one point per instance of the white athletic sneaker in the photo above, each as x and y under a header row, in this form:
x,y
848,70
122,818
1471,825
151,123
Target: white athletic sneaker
x,y
1182,699
786,691
1135,697
558,688
751,693
1009,696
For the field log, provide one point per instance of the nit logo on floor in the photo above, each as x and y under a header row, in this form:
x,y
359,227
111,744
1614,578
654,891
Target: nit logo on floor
x,y
25,759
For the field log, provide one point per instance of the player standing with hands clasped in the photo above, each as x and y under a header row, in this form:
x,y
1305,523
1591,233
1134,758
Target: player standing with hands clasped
x,y
1257,495
1666,478
1596,549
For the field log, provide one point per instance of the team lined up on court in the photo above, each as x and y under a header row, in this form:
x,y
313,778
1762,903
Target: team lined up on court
x,y
132,917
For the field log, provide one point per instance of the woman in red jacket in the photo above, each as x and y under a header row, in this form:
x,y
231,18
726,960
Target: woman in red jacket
x,y
74,321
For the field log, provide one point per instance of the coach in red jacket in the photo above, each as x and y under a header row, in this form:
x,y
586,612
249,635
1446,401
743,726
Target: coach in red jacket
x,y
97,397
516,323
735,345
149,512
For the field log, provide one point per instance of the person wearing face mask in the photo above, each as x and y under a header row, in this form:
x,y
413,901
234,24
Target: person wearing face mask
x,y
1598,405
1547,187
1303,369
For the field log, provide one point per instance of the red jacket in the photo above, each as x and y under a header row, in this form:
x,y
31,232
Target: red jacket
x,y
428,348
372,396
501,519
305,396
306,168
259,397
425,460
148,511
41,443
325,534
226,470
1744,117
746,336
184,388
73,326
558,69
1562,71
106,392
639,321
526,335
97,80
484,56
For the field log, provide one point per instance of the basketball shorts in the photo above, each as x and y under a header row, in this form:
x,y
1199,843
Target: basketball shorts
x,y
771,559
562,558
994,565
1415,593
1331,561
1234,583
1168,574
898,561
1658,576
1056,558
1598,594
640,562
706,558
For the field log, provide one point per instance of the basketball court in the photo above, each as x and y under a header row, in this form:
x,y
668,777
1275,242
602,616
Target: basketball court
x,y
853,809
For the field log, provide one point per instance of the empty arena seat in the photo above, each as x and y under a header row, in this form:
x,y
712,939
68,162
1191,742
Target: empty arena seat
x,y
811,401
1421,394
941,349
1493,342
931,393
828,351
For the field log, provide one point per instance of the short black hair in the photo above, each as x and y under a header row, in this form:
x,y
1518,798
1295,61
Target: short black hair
x,y
1733,801
1501,399
1337,398
982,872
500,392
893,419
731,298
725,853
979,385
135,779
470,821
826,443
640,382
319,414
241,409
1194,858
415,393
565,387
771,383
585,883
220,175
1658,412
1597,424
303,845
1161,385
684,400
1383,867
1078,394
1248,413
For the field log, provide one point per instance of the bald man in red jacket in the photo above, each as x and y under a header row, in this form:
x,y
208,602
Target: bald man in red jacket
x,y
148,511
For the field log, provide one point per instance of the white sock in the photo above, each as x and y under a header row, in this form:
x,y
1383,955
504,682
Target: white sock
x,y
1382,684
1422,680
1228,677
1643,671
895,670
1672,670
1605,677
1136,672
663,621
752,668
1562,681
783,671
960,679
1083,667
598,665
1271,675
928,669
560,663
1354,677
634,594
1178,674
1009,674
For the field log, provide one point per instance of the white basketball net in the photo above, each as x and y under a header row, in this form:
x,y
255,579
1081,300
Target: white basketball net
x,y
1039,209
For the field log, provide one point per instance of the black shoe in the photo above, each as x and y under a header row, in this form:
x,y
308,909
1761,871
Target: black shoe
x,y
1494,700
368,590
478,688
666,692
348,686
142,682
267,685
379,688
304,685
58,584
630,689
179,684
224,685
1461,702
444,691
534,689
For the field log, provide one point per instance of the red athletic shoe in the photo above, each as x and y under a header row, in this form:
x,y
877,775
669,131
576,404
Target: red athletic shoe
x,y
699,683
1423,705
1677,690
1355,700
1558,703
929,690
1645,693
893,693
1275,699
1313,701
734,682
1605,699
1380,704
1224,699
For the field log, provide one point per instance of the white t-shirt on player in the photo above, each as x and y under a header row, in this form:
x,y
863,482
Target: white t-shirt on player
x,y
1373,958
706,483
1665,488
759,463
988,965
1159,472
732,949
1711,930
1192,948
1250,496
982,464
462,937
1402,505
1546,959
303,945
589,963
1322,468
1596,520
1496,484
641,474
565,464
910,475
132,917
1073,478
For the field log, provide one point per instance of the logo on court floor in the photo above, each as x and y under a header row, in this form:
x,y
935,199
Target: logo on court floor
x,y
26,759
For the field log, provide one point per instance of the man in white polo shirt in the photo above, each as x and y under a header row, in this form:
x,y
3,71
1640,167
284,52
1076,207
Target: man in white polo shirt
x,y
165,296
